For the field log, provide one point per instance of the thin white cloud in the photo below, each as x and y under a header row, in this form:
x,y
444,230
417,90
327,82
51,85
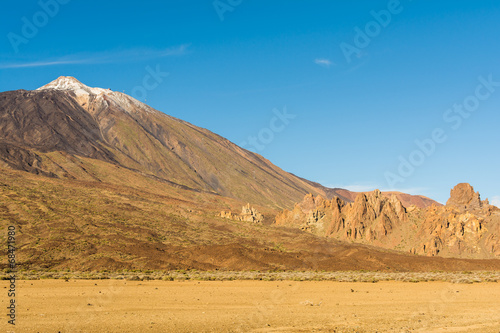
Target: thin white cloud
x,y
495,201
41,64
323,62
121,56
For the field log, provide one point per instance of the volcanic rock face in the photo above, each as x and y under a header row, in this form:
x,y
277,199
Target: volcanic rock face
x,y
465,227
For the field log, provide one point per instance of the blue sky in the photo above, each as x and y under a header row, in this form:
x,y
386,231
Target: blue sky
x,y
334,91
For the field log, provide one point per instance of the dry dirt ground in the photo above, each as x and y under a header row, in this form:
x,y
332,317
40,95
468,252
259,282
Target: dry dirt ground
x,y
253,306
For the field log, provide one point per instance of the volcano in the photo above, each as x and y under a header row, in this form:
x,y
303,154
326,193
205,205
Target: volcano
x,y
94,179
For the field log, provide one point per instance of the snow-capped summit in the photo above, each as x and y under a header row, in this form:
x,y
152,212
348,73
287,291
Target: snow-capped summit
x,y
93,99
70,83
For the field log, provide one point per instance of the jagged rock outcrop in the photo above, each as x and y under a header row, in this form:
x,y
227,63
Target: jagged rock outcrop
x,y
463,196
370,217
465,227
248,214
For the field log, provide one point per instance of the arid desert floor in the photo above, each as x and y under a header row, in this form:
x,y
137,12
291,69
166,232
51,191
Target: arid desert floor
x,y
253,306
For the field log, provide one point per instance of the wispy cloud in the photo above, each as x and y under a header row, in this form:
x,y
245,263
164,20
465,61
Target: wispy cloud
x,y
121,56
41,63
495,201
323,62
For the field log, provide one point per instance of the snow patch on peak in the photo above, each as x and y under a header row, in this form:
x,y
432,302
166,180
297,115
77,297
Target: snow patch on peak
x,y
70,83
86,96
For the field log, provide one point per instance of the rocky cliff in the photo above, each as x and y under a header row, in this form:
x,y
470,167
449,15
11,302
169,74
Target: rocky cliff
x,y
465,227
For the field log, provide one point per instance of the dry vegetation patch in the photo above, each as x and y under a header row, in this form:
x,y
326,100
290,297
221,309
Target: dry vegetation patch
x,y
183,275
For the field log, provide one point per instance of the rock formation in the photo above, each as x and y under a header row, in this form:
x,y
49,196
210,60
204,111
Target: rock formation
x,y
463,197
465,227
370,217
248,214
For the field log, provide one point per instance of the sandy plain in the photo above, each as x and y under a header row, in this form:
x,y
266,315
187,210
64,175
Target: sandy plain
x,y
252,306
